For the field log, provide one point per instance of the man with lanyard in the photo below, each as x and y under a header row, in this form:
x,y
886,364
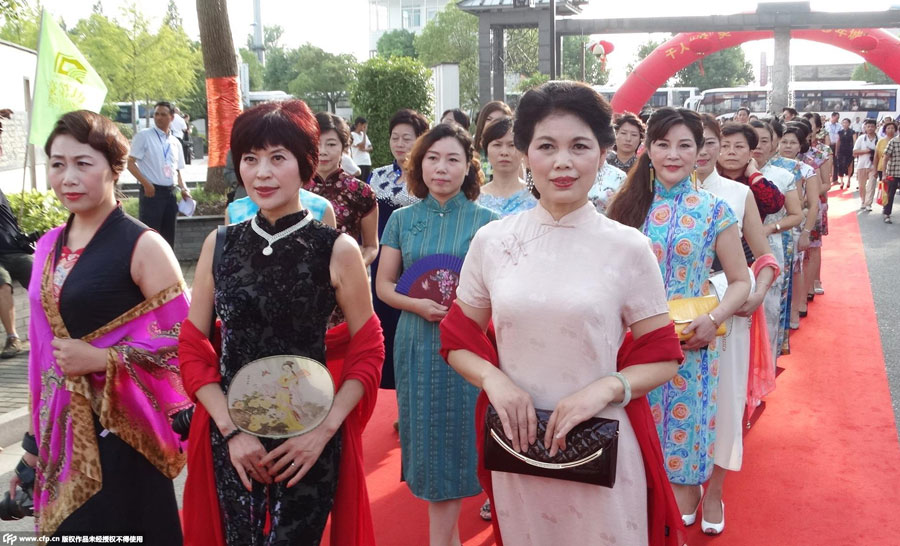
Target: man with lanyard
x,y
834,127
156,160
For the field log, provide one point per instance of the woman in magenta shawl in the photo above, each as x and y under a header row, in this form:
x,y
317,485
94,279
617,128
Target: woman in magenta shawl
x,y
107,300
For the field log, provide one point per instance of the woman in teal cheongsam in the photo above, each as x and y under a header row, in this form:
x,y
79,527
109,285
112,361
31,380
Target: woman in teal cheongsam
x,y
435,404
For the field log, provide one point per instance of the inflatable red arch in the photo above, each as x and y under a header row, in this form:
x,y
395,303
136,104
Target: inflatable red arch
x,y
876,46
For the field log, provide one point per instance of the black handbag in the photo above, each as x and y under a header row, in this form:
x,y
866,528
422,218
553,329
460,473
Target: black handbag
x,y
589,457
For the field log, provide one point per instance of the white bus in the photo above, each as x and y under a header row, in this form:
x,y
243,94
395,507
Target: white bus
x,y
677,97
851,99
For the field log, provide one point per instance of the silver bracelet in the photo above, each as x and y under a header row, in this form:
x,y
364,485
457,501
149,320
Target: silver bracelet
x,y
627,387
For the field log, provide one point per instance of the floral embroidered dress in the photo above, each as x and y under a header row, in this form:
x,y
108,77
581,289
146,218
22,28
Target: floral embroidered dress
x,y
782,244
504,206
435,404
815,157
683,224
351,199
391,194
609,181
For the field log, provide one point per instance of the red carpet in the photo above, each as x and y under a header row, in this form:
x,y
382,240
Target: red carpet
x,y
821,465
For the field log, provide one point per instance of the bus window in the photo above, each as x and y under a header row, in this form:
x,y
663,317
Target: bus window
x,y
123,114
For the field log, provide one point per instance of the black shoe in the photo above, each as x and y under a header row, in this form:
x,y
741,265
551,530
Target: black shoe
x,y
803,314
12,348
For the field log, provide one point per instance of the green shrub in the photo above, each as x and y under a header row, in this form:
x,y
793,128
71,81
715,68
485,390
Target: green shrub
x,y
37,211
130,205
384,86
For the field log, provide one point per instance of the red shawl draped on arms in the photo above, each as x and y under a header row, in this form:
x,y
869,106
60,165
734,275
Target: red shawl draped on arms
x,y
663,517
359,358
761,378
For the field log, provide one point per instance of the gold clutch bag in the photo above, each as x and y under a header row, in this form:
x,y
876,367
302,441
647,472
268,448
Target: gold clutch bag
x,y
683,312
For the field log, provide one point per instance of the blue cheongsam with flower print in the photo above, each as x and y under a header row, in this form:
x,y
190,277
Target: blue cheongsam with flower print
x,y
682,225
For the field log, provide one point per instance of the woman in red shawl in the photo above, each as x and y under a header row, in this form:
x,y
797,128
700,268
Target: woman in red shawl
x,y
277,281
562,285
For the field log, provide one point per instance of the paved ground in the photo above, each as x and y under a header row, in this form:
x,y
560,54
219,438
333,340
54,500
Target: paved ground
x,y
882,246
14,390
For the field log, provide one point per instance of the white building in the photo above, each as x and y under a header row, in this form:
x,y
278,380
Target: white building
x,y
412,15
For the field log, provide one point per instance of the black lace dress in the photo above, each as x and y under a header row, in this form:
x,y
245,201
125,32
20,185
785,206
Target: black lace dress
x,y
272,305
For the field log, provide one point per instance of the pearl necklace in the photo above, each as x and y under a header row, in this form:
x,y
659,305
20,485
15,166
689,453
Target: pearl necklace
x,y
272,239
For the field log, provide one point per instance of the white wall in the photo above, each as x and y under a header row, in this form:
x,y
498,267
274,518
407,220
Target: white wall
x,y
18,65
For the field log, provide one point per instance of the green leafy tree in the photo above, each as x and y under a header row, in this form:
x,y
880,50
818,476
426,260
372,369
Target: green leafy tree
x,y
11,9
725,68
22,28
872,74
643,51
383,86
535,80
282,68
172,19
452,37
254,67
521,51
397,43
581,65
322,76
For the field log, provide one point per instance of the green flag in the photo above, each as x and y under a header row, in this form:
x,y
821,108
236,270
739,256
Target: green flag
x,y
65,81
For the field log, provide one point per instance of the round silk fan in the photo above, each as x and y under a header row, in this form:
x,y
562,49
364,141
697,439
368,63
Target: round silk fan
x,y
434,277
280,396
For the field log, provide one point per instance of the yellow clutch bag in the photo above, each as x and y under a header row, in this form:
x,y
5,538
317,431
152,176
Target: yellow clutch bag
x,y
683,312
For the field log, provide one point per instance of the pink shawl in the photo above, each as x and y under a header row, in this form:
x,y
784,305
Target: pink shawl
x,y
133,399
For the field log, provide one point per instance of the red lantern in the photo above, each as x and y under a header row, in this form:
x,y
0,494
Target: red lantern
x,y
600,49
864,44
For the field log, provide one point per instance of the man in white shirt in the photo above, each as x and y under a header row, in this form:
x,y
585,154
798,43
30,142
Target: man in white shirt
x,y
361,147
834,127
156,160
864,152
179,129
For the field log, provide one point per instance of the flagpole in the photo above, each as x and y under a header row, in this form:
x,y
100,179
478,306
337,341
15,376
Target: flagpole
x,y
29,110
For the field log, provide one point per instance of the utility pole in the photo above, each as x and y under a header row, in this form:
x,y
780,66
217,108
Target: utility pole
x,y
554,42
258,46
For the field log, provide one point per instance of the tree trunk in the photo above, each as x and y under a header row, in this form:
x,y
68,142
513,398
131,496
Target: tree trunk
x,y
222,92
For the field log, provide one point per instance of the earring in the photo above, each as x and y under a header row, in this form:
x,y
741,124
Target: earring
x,y
652,177
529,181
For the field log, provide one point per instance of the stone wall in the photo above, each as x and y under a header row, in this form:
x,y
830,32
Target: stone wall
x,y
190,234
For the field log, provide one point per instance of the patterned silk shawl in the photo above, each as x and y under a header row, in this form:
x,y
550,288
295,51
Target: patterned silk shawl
x,y
133,398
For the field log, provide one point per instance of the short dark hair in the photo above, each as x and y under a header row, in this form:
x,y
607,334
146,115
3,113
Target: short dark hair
x,y
331,122
575,98
892,123
869,121
733,128
494,130
792,111
487,110
415,182
776,125
97,131
835,114
756,124
288,123
167,104
459,116
629,117
359,121
743,109
410,117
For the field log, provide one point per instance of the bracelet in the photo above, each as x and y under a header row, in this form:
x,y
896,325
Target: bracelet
x,y
627,386
29,444
804,230
713,319
231,435
777,227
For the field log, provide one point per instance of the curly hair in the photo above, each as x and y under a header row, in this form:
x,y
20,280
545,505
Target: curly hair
x,y
415,181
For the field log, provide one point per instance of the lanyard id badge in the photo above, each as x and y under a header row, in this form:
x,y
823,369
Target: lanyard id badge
x,y
166,149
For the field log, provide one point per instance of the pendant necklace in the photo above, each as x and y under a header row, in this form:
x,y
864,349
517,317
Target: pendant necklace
x,y
272,239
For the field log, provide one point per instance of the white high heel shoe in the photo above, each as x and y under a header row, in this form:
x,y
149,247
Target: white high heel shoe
x,y
712,528
689,519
